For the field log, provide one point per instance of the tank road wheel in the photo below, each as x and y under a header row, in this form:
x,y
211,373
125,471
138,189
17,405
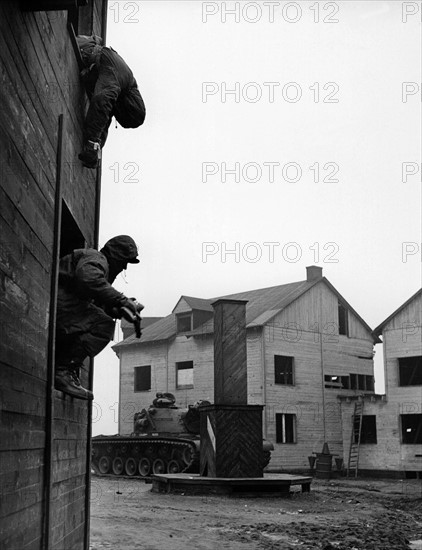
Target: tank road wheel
x,y
130,466
173,467
158,466
144,467
187,455
117,466
104,464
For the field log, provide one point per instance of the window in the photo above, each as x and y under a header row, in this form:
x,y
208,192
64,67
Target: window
x,y
337,382
79,16
285,426
332,381
345,381
70,235
283,370
343,321
142,377
411,429
410,371
369,429
364,382
184,322
370,383
184,374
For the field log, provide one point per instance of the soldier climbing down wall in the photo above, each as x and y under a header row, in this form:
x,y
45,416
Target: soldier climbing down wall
x,y
112,90
87,305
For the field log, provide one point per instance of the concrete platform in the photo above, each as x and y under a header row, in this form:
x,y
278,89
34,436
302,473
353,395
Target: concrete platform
x,y
193,484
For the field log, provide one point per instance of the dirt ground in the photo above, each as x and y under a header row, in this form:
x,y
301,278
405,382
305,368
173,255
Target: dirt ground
x,y
344,514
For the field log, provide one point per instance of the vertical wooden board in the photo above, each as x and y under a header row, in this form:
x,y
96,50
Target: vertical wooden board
x,y
208,466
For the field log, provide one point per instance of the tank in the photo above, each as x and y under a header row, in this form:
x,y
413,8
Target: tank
x,y
165,439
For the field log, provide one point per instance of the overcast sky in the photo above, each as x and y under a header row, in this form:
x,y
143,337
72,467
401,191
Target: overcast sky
x,y
285,132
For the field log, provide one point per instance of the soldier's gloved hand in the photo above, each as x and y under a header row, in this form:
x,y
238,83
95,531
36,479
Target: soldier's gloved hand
x,y
132,305
138,305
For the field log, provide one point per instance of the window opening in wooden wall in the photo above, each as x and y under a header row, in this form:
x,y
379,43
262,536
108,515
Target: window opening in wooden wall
x,y
71,236
411,429
285,425
410,371
369,429
184,374
364,382
184,322
331,381
343,321
283,370
369,382
142,378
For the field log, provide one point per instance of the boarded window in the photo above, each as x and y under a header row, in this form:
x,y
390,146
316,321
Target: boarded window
x,y
184,322
283,369
184,374
343,321
142,378
410,371
411,428
369,429
285,425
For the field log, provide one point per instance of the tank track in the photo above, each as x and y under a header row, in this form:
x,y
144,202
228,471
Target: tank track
x,y
142,457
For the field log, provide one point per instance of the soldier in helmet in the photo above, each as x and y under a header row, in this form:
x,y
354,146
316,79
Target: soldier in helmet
x,y
112,90
87,305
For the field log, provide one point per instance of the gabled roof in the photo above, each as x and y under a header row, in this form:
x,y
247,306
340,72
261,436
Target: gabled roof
x,y
195,303
259,301
263,304
380,327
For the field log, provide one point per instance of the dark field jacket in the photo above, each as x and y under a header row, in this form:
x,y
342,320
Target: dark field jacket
x,y
84,293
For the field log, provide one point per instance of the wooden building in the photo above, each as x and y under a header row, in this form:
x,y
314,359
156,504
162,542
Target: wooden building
x,y
305,345
49,204
391,434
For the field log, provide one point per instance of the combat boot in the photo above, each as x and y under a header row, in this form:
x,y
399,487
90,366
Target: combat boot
x,y
67,381
91,154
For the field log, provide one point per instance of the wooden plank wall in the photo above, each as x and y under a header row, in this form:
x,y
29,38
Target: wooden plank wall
x,y
39,81
402,337
307,330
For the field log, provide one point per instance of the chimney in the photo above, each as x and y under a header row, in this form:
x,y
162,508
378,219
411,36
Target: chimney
x,y
313,273
230,365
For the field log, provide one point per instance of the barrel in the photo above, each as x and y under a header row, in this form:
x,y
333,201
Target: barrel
x,y
323,465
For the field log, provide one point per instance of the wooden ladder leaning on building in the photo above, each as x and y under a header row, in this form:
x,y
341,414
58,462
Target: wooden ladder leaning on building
x,y
353,463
